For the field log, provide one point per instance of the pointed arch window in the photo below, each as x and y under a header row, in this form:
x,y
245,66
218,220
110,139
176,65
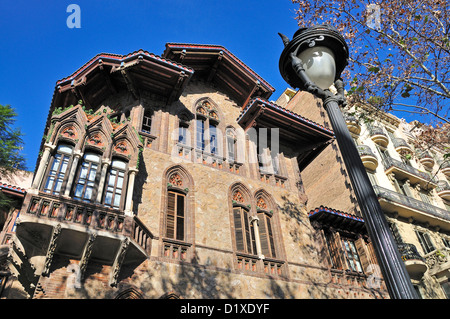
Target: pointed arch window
x,y
58,169
86,179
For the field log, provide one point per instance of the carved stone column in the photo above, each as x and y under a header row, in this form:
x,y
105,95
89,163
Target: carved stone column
x,y
42,165
255,221
105,164
131,177
76,157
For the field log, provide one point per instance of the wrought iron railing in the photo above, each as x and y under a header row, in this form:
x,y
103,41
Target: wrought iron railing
x,y
409,252
411,202
365,150
388,162
400,142
375,130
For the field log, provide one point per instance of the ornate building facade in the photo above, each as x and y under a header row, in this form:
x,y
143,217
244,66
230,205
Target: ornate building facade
x,y
411,182
174,176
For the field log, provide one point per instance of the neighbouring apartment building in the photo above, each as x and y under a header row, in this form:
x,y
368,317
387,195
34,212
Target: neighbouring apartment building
x,y
412,185
174,176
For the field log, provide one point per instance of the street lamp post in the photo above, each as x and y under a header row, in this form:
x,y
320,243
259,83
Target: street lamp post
x,y
313,61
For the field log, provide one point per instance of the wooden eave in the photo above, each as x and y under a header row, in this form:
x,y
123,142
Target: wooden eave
x,y
218,65
305,137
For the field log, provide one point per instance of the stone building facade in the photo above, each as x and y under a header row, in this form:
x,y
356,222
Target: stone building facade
x,y
411,182
174,176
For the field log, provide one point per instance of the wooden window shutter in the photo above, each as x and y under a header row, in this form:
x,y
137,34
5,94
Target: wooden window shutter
x,y
170,220
247,232
180,216
263,236
238,231
266,235
334,243
363,253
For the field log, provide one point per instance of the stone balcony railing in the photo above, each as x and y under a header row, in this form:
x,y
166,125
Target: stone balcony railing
x,y
443,190
438,262
412,203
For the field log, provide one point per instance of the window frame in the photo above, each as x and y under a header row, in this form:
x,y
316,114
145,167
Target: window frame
x,y
123,189
88,173
178,220
64,156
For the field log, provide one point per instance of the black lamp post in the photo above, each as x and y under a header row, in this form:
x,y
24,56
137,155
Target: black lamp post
x,y
313,61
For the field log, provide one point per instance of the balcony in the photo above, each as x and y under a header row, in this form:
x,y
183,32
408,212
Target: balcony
x,y
82,231
445,168
404,171
443,190
426,159
415,264
352,124
368,159
401,146
378,136
408,207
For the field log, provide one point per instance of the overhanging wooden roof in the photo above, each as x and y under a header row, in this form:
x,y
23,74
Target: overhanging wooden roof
x,y
304,136
216,64
107,73
337,219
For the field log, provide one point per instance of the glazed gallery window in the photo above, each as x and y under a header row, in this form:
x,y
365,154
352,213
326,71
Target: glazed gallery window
x,y
175,218
206,127
147,121
115,184
85,185
343,252
58,169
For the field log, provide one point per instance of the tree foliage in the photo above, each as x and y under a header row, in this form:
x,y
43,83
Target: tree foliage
x,y
11,143
399,51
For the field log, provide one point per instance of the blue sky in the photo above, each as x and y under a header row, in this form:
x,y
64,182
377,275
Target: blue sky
x,y
38,48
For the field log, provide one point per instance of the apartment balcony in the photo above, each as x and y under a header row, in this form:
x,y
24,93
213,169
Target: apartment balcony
x,y
378,136
404,171
368,158
426,159
352,124
401,146
415,264
443,190
445,168
408,207
51,225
